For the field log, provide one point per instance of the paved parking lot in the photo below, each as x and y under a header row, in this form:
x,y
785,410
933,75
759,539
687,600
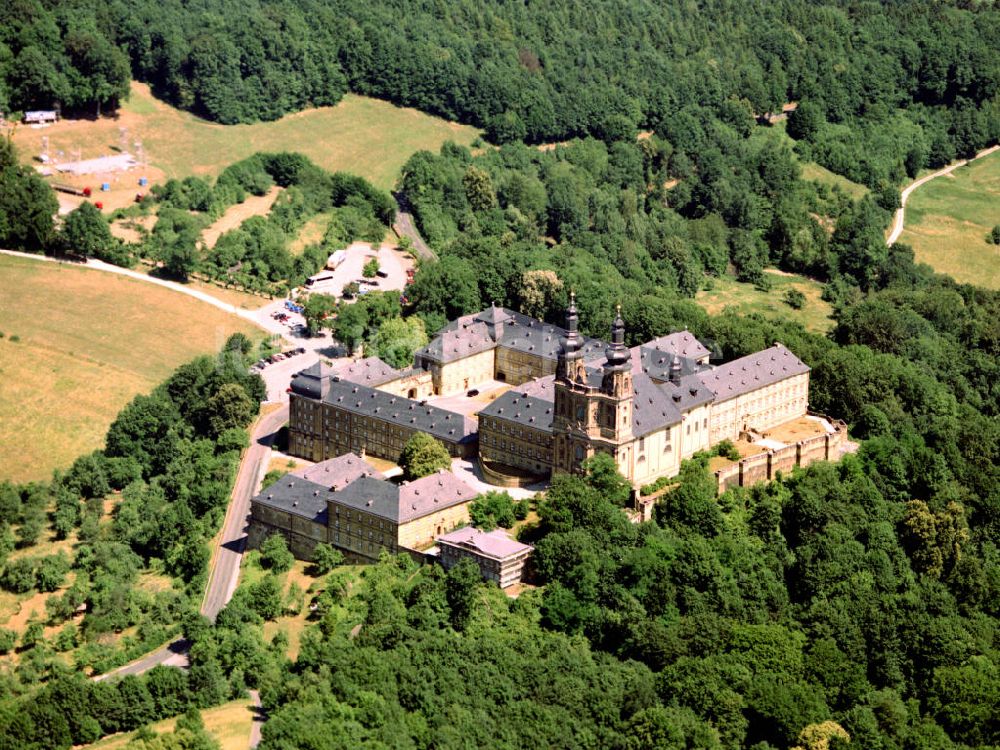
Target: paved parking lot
x,y
392,261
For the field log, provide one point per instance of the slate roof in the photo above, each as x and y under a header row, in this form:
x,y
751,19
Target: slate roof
x,y
652,409
691,392
297,496
529,411
445,425
499,326
337,473
405,502
310,382
682,343
656,363
752,372
456,343
493,544
368,371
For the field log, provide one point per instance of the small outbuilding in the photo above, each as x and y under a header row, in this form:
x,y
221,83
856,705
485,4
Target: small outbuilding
x,y
500,558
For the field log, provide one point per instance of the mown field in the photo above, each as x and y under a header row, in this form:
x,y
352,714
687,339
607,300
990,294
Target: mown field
x,y
77,345
368,137
727,292
947,220
229,724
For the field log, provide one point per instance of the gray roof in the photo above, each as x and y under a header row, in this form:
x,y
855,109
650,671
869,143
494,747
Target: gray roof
x,y
368,371
691,392
499,326
449,426
682,343
337,473
515,406
656,363
456,343
652,409
405,502
312,381
752,372
296,495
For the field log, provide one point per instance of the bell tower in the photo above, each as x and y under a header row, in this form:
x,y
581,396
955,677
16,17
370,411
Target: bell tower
x,y
575,418
618,395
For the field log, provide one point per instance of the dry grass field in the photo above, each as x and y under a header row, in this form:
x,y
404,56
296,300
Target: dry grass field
x,y
254,205
88,341
368,137
229,723
947,220
727,292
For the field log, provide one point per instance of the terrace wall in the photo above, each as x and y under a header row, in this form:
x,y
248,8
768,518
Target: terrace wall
x,y
764,467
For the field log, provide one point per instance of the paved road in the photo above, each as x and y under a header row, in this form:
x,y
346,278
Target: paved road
x,y
897,222
258,719
404,226
224,569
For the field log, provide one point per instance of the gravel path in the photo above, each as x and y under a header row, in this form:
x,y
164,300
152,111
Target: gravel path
x,y
897,222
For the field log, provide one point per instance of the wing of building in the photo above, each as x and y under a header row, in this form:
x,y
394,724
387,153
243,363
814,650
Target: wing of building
x,y
649,406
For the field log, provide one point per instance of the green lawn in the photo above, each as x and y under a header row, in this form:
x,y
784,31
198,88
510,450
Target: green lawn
x,y
89,341
947,220
727,292
368,137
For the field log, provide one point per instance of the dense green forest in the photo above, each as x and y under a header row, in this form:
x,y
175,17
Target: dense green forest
x,y
885,88
865,593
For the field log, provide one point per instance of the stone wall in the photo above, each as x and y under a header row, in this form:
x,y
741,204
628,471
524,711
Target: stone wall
x,y
422,531
462,374
301,534
517,367
764,467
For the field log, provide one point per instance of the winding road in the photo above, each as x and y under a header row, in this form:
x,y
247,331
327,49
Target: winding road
x,y
897,222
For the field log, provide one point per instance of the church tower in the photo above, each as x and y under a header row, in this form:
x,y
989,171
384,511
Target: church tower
x,y
615,413
593,411
575,419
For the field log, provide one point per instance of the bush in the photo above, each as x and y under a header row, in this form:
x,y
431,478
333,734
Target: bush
x,y
492,509
726,449
274,554
423,455
8,639
795,299
325,559
994,236
15,338
19,577
370,268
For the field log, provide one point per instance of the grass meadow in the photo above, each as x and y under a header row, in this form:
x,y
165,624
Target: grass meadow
x,y
727,292
78,345
369,137
947,220
229,723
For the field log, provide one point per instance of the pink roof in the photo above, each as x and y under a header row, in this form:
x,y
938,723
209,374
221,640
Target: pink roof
x,y
495,544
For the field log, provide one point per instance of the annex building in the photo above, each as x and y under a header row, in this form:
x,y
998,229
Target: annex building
x,y
347,503
566,398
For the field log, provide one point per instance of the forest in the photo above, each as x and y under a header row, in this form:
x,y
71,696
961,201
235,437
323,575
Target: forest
x,y
846,605
883,88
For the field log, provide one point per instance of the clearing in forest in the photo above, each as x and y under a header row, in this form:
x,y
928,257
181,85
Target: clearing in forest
x,y
727,292
368,137
229,723
947,220
78,344
810,169
254,205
